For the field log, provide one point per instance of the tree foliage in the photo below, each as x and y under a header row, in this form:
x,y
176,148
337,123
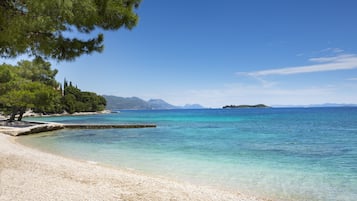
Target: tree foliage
x,y
29,85
75,100
38,71
41,28
32,85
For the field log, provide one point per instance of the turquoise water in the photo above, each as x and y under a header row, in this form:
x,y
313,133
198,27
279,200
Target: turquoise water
x,y
275,153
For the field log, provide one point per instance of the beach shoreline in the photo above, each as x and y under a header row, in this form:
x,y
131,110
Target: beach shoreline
x,y
30,174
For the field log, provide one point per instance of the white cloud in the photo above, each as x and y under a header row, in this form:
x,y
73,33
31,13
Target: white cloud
x,y
275,93
332,49
341,62
339,58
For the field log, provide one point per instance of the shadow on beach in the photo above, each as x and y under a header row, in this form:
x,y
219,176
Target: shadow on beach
x,y
18,124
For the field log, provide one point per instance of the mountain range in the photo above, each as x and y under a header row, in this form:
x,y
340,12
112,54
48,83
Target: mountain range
x,y
135,103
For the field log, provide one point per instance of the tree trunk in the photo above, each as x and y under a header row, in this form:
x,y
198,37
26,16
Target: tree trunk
x,y
13,114
22,111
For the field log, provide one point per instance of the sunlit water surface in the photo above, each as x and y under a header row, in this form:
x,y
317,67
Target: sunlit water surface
x,y
276,153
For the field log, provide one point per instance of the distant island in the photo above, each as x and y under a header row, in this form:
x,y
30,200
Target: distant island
x,y
245,106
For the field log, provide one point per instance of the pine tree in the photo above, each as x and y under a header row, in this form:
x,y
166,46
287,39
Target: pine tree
x,y
40,27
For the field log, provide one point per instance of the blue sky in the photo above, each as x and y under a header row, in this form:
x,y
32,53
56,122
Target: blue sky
x,y
228,52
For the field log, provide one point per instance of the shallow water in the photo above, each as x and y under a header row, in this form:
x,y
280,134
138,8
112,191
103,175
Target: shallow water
x,y
275,153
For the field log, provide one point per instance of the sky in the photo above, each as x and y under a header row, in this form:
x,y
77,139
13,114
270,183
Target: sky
x,y
217,53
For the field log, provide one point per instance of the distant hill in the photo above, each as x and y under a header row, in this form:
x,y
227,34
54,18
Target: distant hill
x,y
160,104
192,106
135,103
115,102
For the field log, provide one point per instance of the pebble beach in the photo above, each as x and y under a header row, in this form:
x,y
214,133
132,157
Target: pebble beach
x,y
29,174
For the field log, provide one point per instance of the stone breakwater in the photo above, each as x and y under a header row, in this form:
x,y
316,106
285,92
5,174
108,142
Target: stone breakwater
x,y
32,128
107,126
26,128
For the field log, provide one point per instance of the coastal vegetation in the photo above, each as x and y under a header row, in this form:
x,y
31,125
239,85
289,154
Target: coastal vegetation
x,y
46,29
29,85
75,100
32,85
245,106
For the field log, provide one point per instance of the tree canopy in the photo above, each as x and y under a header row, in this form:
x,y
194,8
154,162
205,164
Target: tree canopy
x,y
75,100
28,85
40,27
32,85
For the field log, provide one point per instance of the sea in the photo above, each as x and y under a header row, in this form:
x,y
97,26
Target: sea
x,y
284,154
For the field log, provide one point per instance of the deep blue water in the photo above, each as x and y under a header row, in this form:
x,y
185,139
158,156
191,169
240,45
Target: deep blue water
x,y
275,153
